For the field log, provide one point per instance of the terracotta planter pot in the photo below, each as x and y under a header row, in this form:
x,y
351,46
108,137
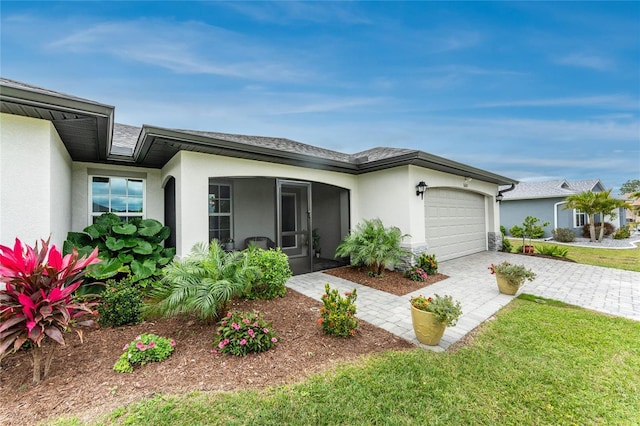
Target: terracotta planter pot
x,y
428,329
504,286
529,249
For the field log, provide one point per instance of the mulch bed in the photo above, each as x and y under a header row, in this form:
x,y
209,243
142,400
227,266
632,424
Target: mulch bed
x,y
392,281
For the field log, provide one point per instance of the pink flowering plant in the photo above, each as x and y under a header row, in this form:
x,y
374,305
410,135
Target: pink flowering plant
x,y
416,274
239,333
36,303
337,315
144,348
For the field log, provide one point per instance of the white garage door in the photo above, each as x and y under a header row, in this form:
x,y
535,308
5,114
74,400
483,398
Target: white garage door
x,y
454,223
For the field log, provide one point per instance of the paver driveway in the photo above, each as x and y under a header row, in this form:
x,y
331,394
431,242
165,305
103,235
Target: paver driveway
x,y
607,290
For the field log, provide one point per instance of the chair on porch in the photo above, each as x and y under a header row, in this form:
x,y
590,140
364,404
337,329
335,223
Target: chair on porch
x,y
263,242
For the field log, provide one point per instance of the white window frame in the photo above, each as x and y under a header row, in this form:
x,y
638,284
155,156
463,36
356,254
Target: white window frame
x,y
93,214
577,213
221,182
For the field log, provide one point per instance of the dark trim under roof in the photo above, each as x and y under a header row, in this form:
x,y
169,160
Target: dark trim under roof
x,y
84,126
87,130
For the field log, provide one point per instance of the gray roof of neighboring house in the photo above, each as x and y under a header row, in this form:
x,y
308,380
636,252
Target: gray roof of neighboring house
x,y
88,131
550,189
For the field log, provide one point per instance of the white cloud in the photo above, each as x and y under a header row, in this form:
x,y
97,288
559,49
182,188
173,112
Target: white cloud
x,y
582,60
285,12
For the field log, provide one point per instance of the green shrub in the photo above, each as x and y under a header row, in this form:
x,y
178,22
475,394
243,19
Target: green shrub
x,y
273,272
608,229
202,283
372,244
125,248
121,304
550,250
337,316
444,308
145,348
428,263
516,231
239,333
622,233
563,235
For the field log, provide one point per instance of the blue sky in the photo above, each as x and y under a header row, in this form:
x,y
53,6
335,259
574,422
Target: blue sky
x,y
531,90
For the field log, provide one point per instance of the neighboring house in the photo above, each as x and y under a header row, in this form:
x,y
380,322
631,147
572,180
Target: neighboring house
x,y
546,201
63,162
633,214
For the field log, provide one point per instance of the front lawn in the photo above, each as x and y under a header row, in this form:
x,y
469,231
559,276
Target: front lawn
x,y
542,363
627,259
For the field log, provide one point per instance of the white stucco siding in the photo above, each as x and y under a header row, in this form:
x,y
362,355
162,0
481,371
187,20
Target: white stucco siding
x,y
60,189
34,181
80,205
192,171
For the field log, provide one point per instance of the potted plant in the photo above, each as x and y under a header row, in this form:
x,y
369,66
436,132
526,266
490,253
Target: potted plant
x,y
431,315
510,277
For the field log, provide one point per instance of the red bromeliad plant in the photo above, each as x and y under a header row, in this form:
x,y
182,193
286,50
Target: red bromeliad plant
x,y
36,301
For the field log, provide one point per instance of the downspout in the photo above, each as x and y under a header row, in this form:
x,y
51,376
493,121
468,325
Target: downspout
x,y
501,193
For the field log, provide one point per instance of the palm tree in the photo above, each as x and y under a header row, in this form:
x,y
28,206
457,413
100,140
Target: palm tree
x,y
607,206
586,202
202,283
373,245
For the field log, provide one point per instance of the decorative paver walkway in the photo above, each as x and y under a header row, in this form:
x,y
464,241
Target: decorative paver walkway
x,y
607,290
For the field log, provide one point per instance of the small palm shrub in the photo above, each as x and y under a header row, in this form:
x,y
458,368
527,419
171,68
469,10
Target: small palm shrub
x,y
240,333
373,245
337,315
144,348
273,271
428,263
121,304
555,251
563,235
202,283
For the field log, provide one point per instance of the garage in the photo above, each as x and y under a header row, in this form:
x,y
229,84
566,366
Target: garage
x,y
455,222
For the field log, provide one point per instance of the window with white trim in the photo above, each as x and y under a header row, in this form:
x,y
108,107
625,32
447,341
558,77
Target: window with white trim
x,y
220,211
118,195
579,218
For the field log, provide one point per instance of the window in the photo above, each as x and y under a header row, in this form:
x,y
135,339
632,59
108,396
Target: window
x,y
118,195
579,219
220,211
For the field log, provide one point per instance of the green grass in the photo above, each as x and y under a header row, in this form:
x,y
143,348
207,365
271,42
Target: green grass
x,y
540,363
627,259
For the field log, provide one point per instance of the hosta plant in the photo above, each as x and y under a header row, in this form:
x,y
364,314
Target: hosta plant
x,y
144,348
37,303
239,333
337,315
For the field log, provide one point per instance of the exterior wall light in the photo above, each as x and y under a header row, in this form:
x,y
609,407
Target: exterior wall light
x,y
420,188
499,197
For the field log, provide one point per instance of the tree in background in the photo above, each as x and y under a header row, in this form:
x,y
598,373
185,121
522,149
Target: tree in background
x,y
632,185
608,206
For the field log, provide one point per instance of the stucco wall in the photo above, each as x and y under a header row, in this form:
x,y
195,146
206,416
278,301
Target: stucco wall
x,y
154,194
513,212
192,171
34,181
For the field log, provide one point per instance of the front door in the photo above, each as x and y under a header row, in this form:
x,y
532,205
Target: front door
x,y
294,224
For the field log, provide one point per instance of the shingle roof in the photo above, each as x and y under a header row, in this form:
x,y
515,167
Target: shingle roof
x,y
549,189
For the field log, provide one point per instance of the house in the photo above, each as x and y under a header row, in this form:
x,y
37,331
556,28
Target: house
x,y
633,214
546,201
63,162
